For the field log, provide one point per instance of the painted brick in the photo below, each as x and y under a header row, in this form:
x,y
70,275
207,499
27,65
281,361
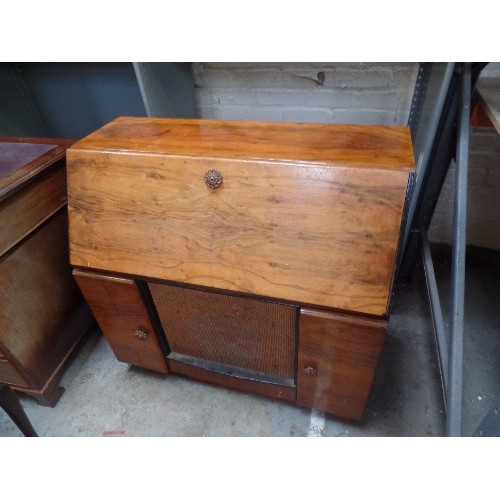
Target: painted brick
x,y
342,77
214,79
304,115
261,78
360,117
366,88
242,113
232,97
203,97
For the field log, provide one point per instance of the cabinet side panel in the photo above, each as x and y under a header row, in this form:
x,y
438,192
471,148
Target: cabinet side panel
x,y
119,310
337,359
21,213
37,296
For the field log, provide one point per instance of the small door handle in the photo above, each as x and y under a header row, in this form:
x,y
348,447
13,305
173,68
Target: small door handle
x,y
141,335
309,370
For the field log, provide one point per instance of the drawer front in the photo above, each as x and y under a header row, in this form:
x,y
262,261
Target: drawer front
x,y
337,359
308,233
119,310
21,213
9,375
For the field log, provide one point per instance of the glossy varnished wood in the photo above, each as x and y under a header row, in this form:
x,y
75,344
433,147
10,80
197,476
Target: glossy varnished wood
x,y
337,358
25,173
119,310
307,214
38,296
307,230
353,145
29,207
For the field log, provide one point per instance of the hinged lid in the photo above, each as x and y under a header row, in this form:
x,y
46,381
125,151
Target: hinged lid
x,y
306,213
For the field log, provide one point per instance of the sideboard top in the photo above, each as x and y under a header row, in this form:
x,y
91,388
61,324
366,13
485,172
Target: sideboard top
x,y
377,146
23,158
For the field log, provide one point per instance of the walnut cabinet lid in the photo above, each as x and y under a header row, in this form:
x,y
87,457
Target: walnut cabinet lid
x,y
304,213
354,145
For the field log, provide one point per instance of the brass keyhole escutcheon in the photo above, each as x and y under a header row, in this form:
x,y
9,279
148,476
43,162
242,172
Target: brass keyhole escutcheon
x,y
213,178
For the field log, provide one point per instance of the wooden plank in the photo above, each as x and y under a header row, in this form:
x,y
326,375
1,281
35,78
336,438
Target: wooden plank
x,y
352,145
488,90
120,312
29,207
337,358
313,234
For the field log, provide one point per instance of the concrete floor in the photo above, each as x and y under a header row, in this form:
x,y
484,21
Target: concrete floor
x,y
104,397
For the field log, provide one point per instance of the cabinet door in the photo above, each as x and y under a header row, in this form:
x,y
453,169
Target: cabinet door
x,y
119,309
337,358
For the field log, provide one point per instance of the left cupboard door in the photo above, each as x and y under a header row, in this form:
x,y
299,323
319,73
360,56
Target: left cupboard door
x,y
119,310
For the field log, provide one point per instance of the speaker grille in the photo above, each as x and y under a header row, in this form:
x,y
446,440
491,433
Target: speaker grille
x,y
250,334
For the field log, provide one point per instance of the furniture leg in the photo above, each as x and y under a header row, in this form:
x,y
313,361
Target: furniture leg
x,y
10,403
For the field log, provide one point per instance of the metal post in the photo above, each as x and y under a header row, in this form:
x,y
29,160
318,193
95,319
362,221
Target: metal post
x,y
436,311
454,393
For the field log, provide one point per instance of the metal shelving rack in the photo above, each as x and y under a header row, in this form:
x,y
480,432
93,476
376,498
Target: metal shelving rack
x,y
447,138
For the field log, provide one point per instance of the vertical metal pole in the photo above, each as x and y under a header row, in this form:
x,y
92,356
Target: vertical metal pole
x,y
454,417
443,345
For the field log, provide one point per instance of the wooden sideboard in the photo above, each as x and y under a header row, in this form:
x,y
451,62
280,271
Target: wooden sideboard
x,y
42,312
255,255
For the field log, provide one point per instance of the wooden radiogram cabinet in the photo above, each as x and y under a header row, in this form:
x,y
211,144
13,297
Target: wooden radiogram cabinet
x,y
255,255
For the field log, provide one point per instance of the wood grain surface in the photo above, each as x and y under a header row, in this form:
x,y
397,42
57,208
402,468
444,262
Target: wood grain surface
x,y
310,233
119,310
30,206
37,296
337,358
352,145
25,173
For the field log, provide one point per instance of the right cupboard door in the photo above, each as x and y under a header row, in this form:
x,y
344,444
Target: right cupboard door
x,y
337,358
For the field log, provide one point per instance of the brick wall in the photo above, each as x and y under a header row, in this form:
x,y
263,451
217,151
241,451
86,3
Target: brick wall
x,y
365,93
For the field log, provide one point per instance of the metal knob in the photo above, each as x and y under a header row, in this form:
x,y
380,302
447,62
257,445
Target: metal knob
x,y
213,179
141,335
309,370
